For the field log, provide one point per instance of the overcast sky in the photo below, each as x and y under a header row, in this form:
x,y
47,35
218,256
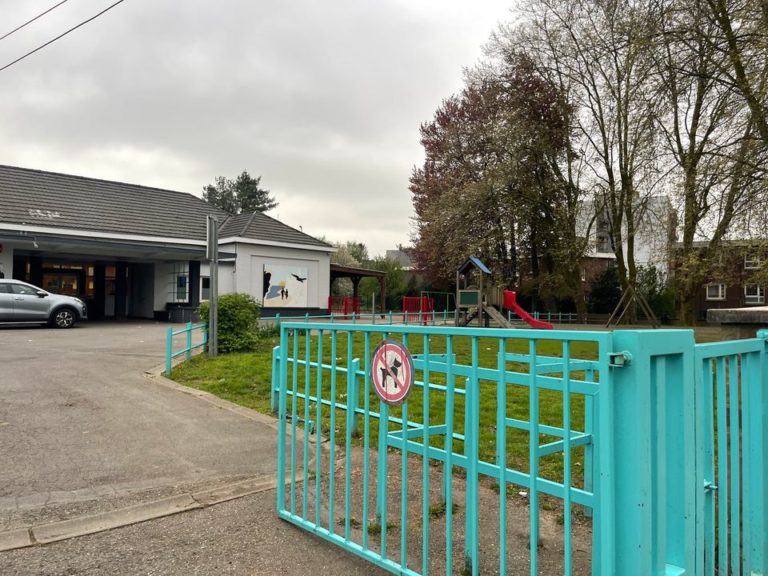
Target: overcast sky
x,y
323,99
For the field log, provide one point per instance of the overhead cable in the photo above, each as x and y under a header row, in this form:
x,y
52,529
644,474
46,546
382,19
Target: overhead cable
x,y
4,36
83,23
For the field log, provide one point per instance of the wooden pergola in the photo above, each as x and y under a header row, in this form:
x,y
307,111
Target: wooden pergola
x,y
357,274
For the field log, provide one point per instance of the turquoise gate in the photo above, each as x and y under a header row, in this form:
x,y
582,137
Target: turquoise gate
x,y
622,427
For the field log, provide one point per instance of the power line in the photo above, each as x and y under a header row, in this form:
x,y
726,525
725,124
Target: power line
x,y
83,23
3,37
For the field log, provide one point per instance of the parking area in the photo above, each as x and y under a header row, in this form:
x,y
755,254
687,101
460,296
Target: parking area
x,y
80,422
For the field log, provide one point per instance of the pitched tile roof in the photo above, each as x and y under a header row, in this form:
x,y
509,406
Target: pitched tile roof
x,y
259,226
48,199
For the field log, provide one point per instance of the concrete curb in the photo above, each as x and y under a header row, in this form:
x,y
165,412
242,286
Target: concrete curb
x,y
156,375
66,529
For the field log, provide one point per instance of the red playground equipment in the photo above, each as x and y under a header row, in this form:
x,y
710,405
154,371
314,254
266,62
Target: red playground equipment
x,y
344,305
420,307
510,303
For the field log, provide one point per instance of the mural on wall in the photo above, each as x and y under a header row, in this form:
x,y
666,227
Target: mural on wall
x,y
285,286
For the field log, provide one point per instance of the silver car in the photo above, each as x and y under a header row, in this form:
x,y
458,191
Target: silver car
x,y
22,303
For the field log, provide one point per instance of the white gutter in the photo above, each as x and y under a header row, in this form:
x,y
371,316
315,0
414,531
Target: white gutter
x,y
239,240
93,234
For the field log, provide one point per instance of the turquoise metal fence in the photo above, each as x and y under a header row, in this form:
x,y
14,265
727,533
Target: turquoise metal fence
x,y
453,374
431,318
624,412
189,346
733,434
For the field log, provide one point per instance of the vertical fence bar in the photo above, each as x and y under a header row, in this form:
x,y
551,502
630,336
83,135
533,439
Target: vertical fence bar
x,y
381,475
404,491
332,434
722,469
169,351
759,457
353,400
589,428
533,455
276,352
189,340
425,459
366,436
294,417
567,537
501,451
282,420
735,461
307,422
707,534
754,476
471,448
351,406
318,428
450,383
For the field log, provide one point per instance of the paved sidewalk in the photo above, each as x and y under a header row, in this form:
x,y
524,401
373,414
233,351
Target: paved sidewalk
x,y
241,537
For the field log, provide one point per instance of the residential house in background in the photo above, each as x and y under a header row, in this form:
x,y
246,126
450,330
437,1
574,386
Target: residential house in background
x,y
738,279
655,235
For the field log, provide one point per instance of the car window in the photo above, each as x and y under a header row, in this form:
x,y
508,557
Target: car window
x,y
21,289
4,289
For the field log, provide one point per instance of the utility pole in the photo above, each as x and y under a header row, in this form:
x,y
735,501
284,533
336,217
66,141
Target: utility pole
x,y
212,255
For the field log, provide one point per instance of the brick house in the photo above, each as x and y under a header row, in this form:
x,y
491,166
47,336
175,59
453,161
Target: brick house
x,y
738,278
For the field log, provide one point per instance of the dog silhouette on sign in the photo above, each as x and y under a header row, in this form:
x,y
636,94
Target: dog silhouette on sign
x,y
391,372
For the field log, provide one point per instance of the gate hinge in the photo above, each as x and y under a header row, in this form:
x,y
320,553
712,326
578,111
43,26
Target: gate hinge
x,y
710,486
619,359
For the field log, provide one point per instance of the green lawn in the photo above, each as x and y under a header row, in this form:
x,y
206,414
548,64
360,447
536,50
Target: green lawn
x,y
246,379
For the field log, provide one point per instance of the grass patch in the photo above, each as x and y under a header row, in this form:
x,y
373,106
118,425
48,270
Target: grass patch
x,y
375,527
437,510
246,380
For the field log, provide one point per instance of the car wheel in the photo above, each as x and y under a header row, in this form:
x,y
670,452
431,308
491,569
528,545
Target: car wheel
x,y
64,318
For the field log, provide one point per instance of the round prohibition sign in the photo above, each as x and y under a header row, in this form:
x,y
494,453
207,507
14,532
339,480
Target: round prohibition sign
x,y
392,371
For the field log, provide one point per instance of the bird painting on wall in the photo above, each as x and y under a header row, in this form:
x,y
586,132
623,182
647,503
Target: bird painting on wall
x,y
299,278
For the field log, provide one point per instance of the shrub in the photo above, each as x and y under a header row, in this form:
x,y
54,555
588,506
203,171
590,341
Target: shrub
x,y
238,322
605,292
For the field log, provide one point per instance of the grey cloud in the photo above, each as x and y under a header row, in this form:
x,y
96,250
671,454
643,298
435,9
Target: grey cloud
x,y
323,99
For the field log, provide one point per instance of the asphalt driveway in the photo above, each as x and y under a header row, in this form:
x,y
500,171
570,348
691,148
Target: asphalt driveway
x,y
79,422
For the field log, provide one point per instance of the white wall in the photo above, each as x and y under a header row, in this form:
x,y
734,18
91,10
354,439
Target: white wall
x,y
161,289
6,260
226,276
248,272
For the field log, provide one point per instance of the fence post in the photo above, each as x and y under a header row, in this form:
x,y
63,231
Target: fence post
x,y
189,340
169,351
648,452
275,378
755,402
472,453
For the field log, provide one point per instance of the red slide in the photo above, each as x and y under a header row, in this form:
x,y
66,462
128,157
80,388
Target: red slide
x,y
510,303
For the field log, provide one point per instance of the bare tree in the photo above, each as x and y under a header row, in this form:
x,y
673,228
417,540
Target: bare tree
x,y
601,48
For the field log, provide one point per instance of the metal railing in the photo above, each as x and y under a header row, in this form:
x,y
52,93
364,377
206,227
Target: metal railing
x,y
308,365
431,318
188,332
663,442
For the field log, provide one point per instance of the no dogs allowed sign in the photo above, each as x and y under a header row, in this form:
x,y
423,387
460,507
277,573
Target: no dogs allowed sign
x,y
392,371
